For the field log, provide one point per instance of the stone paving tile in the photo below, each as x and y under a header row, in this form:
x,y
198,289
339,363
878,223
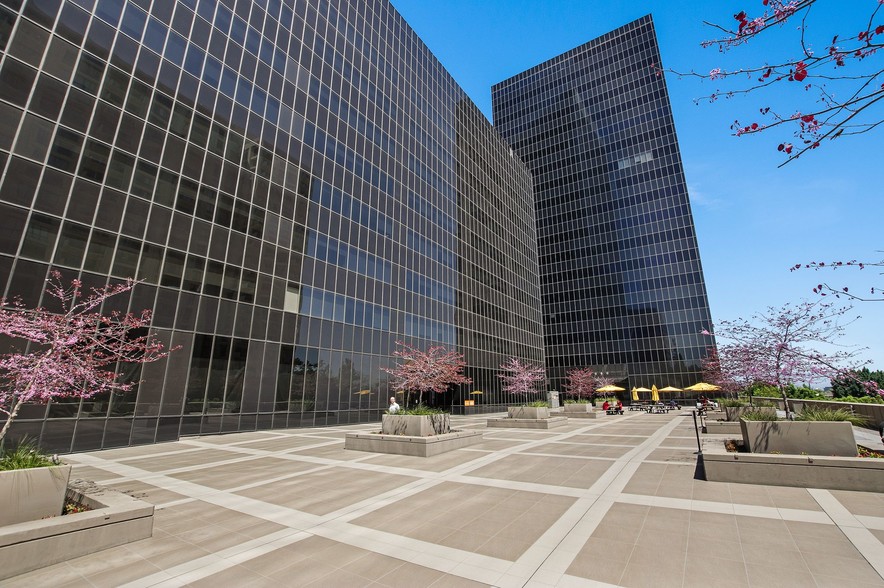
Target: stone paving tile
x,y
231,475
580,449
427,529
436,463
556,471
180,459
325,491
861,503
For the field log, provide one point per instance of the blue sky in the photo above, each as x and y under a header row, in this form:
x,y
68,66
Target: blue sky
x,y
754,220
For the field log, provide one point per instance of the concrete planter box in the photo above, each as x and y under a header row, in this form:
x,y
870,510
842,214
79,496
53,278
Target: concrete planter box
x,y
722,428
528,412
412,425
596,414
547,423
32,494
733,413
802,471
577,408
116,519
799,437
423,446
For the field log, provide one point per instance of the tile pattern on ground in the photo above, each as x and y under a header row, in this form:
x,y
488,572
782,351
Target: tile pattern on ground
x,y
611,500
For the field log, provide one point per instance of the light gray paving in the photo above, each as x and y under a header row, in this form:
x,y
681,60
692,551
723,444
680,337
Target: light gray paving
x,y
611,501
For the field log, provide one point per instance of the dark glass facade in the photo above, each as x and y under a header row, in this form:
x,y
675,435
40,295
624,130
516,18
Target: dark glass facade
x,y
298,183
621,279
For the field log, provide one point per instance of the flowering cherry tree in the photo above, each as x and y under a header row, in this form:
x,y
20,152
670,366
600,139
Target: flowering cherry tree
x,y
521,378
842,81
723,370
793,344
427,371
72,353
581,383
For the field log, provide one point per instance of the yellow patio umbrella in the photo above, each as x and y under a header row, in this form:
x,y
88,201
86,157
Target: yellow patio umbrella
x,y
362,393
703,387
655,396
609,389
474,392
635,393
670,389
641,389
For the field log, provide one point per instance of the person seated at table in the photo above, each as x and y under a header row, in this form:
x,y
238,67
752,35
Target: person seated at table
x,y
672,403
606,406
620,407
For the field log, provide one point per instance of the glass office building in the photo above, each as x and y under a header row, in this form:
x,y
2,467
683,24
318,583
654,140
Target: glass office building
x,y
299,184
621,280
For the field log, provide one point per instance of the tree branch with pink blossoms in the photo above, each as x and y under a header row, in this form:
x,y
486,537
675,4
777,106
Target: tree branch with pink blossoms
x,y
844,80
71,353
433,370
876,293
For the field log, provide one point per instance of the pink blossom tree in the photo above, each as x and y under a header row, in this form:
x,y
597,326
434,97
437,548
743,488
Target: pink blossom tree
x,y
71,353
521,378
581,383
835,88
433,370
719,370
794,344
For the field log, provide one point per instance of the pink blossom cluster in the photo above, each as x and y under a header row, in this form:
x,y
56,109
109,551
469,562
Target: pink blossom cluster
x,y
71,353
521,378
432,370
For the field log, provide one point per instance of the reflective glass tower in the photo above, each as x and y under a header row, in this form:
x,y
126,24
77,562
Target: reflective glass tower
x,y
621,280
299,184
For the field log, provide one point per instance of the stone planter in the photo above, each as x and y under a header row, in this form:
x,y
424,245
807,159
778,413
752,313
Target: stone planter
x,y
577,408
32,494
412,425
424,446
799,437
733,413
801,471
116,519
528,412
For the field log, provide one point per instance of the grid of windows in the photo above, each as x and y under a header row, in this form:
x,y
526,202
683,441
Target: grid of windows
x,y
298,185
621,280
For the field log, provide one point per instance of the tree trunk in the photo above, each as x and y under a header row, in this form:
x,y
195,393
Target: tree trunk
x,y
786,402
9,419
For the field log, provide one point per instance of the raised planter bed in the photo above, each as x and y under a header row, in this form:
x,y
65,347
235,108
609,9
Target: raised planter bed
x,y
115,519
547,423
417,446
32,494
413,425
799,437
805,471
527,412
577,409
722,428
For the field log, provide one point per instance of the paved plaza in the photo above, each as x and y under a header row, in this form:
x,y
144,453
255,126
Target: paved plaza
x,y
611,501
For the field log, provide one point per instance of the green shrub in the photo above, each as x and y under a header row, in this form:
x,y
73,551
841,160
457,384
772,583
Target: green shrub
x,y
861,399
829,414
578,401
760,415
421,409
732,402
538,404
26,455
